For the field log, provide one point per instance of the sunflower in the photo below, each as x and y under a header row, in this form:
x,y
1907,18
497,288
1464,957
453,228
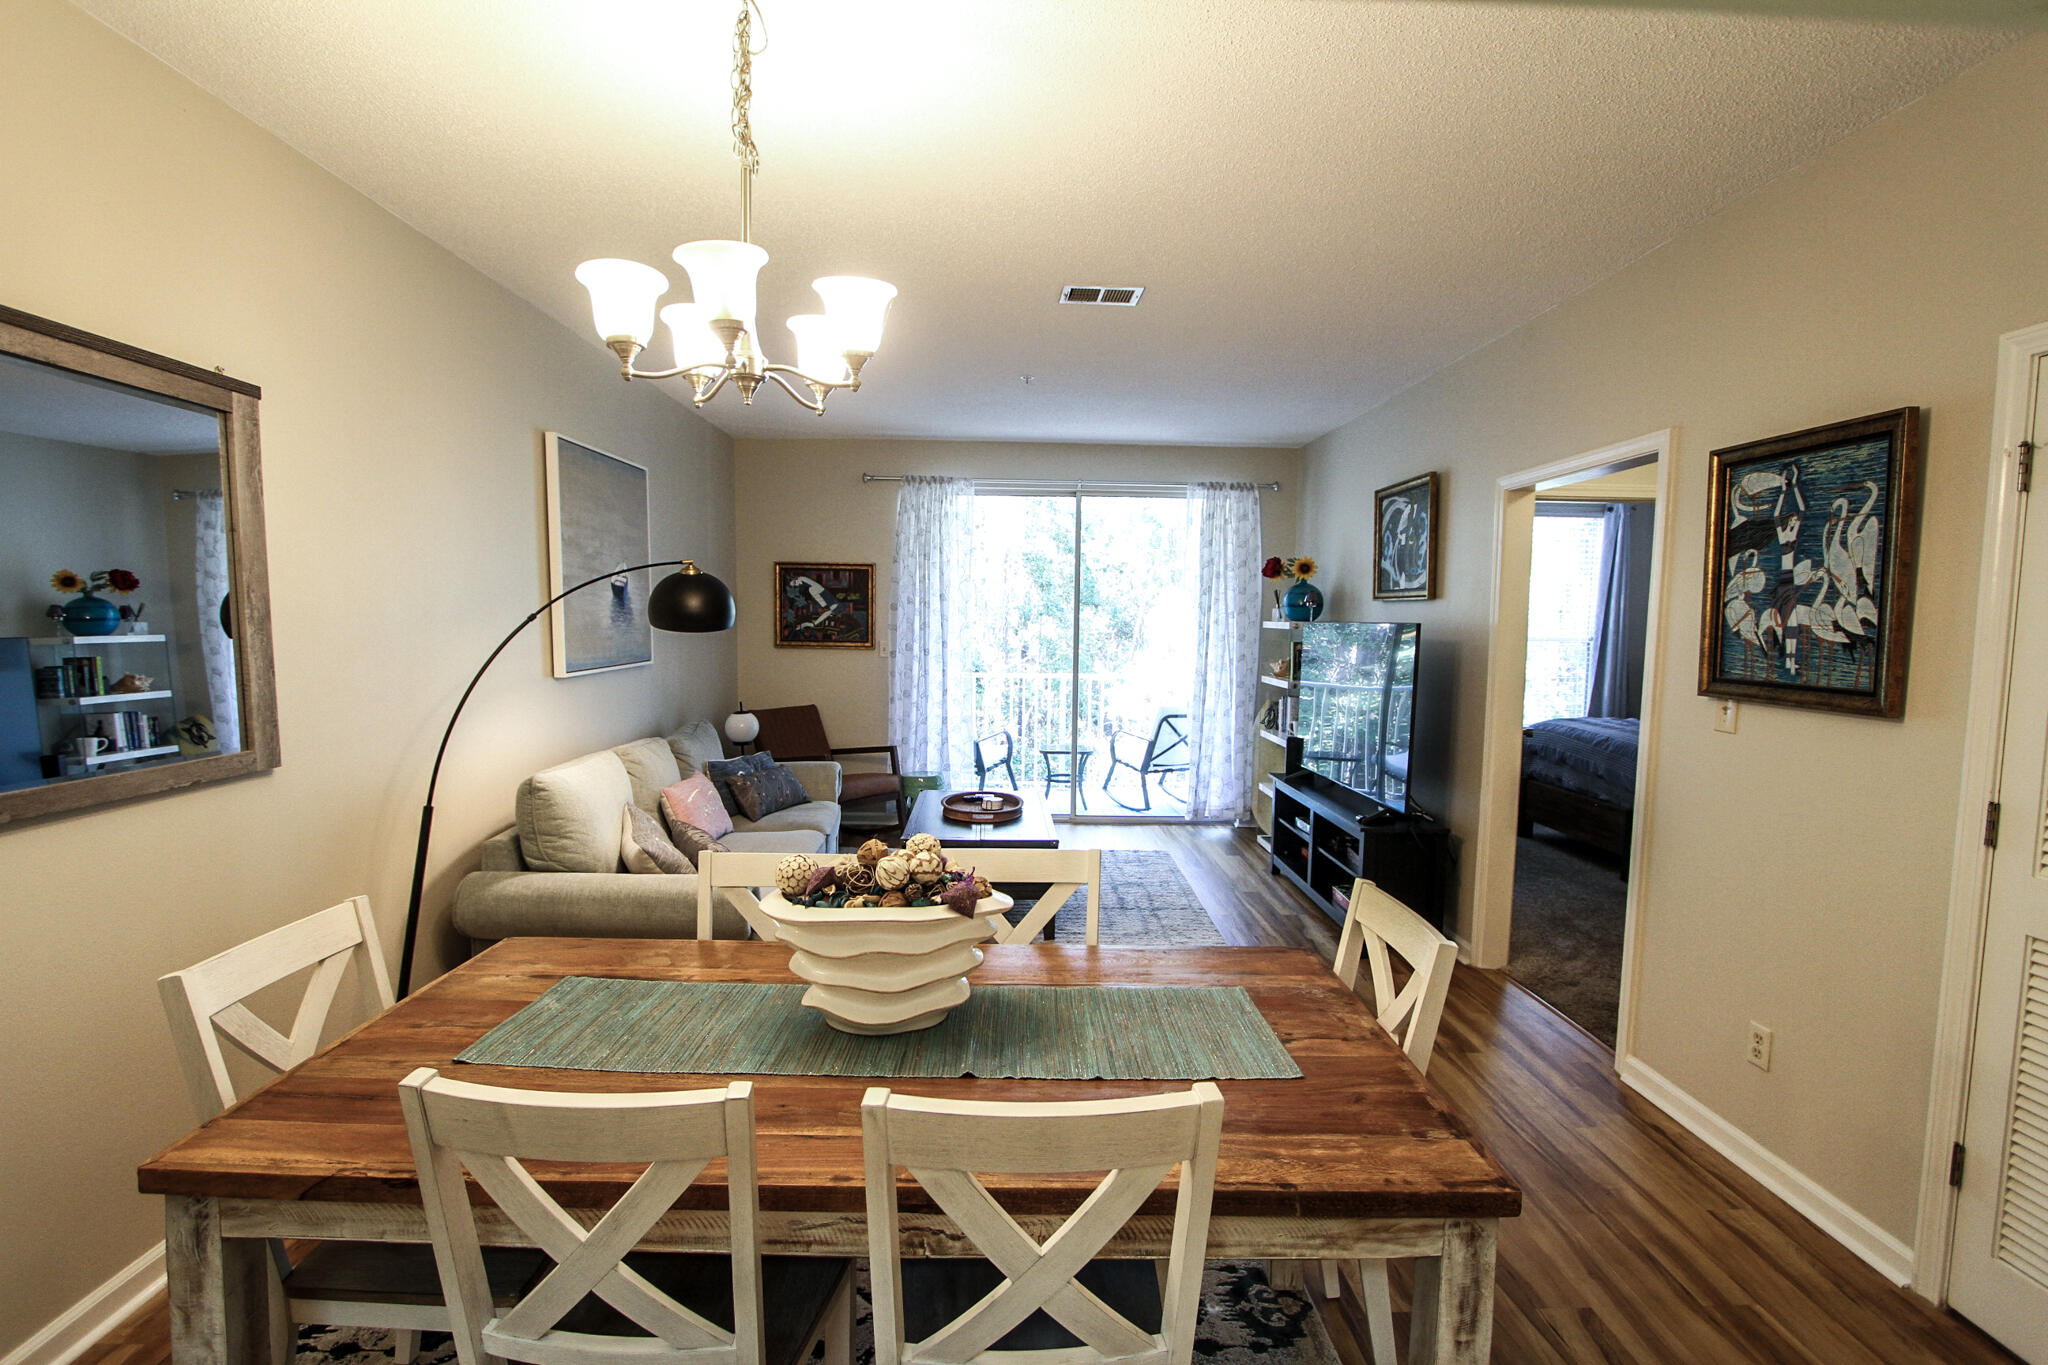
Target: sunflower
x,y
1303,567
66,581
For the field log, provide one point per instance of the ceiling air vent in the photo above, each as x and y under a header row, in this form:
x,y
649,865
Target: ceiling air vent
x,y
1113,295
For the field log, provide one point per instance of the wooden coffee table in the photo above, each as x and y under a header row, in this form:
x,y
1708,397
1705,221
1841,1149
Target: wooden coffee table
x,y
1032,829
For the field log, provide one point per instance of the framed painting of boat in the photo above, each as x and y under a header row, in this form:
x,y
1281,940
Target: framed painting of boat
x,y
597,523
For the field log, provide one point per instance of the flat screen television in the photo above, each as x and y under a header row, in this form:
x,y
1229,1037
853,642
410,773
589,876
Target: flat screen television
x,y
1355,705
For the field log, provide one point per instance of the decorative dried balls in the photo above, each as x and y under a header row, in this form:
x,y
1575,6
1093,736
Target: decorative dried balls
x,y
793,874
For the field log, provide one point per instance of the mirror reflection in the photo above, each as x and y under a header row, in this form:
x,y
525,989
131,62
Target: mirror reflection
x,y
114,565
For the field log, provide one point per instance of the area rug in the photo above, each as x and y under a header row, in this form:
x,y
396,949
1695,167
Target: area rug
x,y
1243,1320
1146,903
1566,947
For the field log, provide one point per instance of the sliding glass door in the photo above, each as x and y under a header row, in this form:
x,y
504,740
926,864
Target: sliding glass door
x,y
1083,650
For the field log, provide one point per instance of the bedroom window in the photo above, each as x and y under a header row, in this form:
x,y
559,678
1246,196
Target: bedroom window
x,y
1564,603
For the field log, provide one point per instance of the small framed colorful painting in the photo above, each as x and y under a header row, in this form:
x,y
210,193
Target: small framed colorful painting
x,y
1809,580
825,606
1404,540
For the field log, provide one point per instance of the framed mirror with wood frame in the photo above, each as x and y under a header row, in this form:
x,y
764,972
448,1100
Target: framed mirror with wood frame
x,y
135,633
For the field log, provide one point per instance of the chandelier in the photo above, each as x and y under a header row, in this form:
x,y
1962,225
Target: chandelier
x,y
716,339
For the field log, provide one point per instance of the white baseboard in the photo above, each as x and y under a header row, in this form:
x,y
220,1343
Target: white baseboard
x,y
1889,1256
82,1325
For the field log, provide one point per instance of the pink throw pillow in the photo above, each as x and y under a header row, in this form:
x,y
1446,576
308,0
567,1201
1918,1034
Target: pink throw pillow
x,y
694,801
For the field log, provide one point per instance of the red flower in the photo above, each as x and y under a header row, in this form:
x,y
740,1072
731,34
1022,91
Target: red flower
x,y
1272,568
120,580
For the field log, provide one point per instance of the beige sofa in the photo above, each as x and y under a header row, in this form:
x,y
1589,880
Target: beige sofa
x,y
557,871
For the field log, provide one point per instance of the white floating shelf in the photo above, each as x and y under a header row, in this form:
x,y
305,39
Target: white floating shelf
x,y
1281,625
128,755
1266,790
1266,842
117,638
1273,737
1284,684
111,698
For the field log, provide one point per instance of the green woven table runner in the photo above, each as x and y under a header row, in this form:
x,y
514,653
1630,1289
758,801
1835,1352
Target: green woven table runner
x,y
1112,1033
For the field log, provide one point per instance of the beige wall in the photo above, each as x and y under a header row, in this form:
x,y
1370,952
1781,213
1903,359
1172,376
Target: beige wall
x,y
803,500
404,400
1799,868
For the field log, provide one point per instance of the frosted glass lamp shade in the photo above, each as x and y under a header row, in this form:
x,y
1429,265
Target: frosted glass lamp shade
x,y
722,276
622,297
741,727
689,325
857,307
818,352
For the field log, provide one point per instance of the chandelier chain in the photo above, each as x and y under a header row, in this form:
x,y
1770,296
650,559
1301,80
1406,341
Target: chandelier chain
x,y
743,86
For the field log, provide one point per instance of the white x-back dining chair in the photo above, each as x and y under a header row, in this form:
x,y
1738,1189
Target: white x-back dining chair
x,y
602,1301
340,1284
955,1311
1377,927
1066,872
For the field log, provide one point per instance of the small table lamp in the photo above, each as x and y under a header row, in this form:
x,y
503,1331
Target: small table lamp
x,y
742,726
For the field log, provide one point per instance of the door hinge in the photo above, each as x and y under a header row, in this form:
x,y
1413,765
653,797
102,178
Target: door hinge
x,y
1955,1164
2026,466
1991,824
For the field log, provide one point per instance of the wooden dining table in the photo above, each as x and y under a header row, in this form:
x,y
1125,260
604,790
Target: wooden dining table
x,y
1357,1157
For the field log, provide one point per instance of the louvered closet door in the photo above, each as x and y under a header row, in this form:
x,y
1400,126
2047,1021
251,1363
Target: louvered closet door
x,y
1999,1276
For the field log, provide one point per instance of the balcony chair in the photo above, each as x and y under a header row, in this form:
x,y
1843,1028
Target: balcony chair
x,y
1167,751
793,733
986,761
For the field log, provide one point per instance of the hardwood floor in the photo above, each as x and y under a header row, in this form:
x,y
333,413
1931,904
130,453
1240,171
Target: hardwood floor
x,y
1636,1243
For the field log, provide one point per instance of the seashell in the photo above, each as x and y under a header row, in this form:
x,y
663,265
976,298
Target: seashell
x,y
872,852
793,874
858,878
922,843
959,897
892,872
892,900
823,878
927,862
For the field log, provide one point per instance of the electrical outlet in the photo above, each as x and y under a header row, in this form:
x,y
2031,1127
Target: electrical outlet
x,y
1724,716
1759,1046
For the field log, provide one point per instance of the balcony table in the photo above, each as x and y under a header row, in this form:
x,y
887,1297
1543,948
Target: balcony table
x,y
1357,1157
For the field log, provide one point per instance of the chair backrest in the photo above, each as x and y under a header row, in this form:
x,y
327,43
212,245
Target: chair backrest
x,y
1138,1141
792,733
1169,744
493,1131
1066,872
1376,925
735,875
988,756
204,1002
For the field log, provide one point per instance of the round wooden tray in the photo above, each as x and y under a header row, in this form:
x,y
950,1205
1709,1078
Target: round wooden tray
x,y
967,808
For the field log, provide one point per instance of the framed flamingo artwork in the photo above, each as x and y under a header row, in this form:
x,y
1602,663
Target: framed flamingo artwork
x,y
1809,578
826,606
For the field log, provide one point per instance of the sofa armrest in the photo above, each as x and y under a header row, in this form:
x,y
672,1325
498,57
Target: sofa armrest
x,y
820,777
494,905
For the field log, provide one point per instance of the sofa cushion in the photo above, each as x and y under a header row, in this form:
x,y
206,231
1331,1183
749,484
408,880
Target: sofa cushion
x,y
768,790
721,774
693,842
693,801
650,765
820,817
644,846
568,815
694,746
774,841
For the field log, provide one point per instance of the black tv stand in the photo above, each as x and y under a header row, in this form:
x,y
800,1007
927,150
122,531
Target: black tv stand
x,y
1325,837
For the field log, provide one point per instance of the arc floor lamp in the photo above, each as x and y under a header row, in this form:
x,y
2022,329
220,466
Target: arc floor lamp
x,y
687,600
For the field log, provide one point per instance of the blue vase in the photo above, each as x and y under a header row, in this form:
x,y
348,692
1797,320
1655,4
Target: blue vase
x,y
1303,602
87,614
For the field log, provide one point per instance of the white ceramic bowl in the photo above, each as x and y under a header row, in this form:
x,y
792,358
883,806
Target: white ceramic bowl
x,y
883,970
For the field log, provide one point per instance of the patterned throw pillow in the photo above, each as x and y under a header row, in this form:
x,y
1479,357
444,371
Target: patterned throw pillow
x,y
724,770
645,846
771,789
694,801
694,842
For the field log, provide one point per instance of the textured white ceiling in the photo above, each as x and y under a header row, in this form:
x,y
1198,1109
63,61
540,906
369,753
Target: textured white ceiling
x,y
1326,200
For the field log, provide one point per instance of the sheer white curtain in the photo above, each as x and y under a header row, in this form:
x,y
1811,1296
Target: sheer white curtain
x,y
1223,565
216,650
931,676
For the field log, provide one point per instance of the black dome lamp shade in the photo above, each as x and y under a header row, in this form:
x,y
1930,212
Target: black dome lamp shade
x,y
688,600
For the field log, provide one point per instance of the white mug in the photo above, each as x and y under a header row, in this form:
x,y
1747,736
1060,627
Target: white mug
x,y
90,746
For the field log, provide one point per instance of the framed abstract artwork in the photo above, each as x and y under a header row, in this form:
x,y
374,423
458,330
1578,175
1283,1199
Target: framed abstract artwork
x,y
597,523
1404,540
826,606
1809,580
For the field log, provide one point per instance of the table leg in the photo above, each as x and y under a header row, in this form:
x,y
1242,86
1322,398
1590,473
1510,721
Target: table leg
x,y
1452,1313
219,1288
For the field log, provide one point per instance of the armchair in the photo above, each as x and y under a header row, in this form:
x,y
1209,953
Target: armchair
x,y
794,733
992,752
1166,752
